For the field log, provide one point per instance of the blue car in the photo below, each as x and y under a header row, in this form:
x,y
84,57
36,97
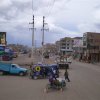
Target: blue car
x,y
6,68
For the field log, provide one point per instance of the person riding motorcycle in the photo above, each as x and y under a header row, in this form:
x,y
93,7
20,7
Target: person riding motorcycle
x,y
53,81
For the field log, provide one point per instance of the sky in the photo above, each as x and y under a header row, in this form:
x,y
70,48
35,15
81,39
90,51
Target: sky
x,y
65,18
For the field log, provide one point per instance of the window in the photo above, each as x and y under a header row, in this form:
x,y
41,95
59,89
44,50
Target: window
x,y
13,66
63,47
91,40
84,44
63,44
67,47
68,40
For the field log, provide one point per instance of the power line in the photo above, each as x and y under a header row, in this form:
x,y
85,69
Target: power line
x,y
50,10
32,7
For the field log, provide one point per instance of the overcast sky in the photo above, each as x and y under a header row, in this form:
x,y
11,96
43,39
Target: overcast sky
x,y
65,18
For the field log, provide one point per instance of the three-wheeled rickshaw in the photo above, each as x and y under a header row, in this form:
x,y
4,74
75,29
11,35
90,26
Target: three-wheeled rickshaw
x,y
39,71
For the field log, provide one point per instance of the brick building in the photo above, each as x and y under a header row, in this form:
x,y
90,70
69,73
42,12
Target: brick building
x,y
91,42
78,47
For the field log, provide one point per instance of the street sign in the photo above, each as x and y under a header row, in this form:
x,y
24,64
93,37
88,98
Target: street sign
x,y
2,38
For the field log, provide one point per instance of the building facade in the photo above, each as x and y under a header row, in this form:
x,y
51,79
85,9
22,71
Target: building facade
x,y
51,48
91,42
65,46
78,47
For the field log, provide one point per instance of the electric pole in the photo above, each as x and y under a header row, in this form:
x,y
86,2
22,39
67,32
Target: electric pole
x,y
33,29
43,29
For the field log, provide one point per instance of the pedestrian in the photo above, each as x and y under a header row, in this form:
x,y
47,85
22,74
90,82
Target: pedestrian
x,y
29,55
31,70
66,75
69,59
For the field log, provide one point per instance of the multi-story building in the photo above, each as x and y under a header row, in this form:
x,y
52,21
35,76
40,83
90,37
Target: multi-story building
x,y
78,47
58,46
91,42
65,45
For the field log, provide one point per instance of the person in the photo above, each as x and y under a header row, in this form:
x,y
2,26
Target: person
x,y
80,59
66,75
89,58
69,59
30,71
51,80
29,55
43,71
57,73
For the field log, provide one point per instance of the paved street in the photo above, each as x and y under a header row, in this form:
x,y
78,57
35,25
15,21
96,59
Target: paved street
x,y
24,59
84,85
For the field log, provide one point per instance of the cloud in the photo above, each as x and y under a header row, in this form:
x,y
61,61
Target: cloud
x,y
64,18
5,3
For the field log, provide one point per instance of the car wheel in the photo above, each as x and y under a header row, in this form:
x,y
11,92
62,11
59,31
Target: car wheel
x,y
1,72
61,89
21,73
35,77
45,90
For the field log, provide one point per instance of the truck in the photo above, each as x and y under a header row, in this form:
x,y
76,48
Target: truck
x,y
62,62
8,68
46,55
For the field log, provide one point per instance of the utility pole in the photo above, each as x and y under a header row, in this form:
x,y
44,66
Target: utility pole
x,y
32,39
43,29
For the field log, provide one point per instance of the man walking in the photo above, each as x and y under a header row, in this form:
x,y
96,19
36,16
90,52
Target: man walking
x,y
66,75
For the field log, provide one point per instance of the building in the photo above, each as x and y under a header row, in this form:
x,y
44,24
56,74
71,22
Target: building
x,y
65,46
58,46
91,42
51,48
78,47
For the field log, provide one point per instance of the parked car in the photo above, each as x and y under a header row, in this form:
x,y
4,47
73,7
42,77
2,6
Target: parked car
x,y
5,58
15,55
6,68
24,52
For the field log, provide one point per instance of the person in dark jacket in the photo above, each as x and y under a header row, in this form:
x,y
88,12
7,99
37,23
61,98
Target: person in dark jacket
x,y
66,75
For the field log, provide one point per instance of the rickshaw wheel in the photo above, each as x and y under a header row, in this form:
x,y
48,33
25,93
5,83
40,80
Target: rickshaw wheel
x,y
61,89
35,77
46,90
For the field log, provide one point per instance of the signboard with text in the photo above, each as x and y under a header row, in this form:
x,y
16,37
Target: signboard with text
x,y
2,38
